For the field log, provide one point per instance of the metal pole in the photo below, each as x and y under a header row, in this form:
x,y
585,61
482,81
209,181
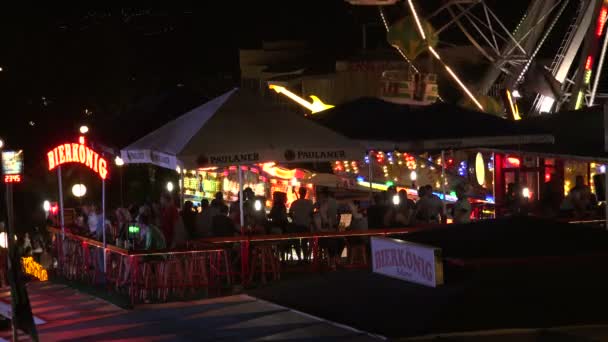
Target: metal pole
x,y
122,203
371,176
598,72
181,187
61,219
606,171
10,231
443,179
103,220
241,214
244,245
494,182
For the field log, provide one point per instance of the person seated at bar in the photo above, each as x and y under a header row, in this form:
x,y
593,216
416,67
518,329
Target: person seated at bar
x,y
328,209
462,208
358,223
429,208
169,217
377,211
401,212
278,213
578,200
551,197
301,212
188,216
150,236
218,202
222,225
123,220
204,220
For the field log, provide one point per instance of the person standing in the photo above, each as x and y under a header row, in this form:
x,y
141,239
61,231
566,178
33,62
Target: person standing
x,y
429,208
301,212
204,220
169,216
462,207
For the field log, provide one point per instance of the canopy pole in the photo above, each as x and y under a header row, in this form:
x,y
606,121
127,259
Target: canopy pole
x,y
606,171
443,180
103,220
494,183
181,188
61,219
370,175
241,214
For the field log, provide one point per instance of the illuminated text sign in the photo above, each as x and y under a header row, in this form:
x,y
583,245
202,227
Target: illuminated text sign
x,y
12,166
407,261
78,153
12,178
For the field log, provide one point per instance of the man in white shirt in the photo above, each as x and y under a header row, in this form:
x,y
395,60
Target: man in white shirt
x,y
429,208
462,207
301,212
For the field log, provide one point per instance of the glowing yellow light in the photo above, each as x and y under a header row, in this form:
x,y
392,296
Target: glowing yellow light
x,y
434,52
579,100
514,110
480,171
279,172
418,24
466,90
34,269
315,106
436,55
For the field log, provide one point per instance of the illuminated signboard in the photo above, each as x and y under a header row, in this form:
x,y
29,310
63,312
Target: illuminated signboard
x,y
12,166
78,153
480,169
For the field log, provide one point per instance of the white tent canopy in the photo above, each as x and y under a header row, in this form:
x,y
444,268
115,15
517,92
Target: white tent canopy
x,y
239,128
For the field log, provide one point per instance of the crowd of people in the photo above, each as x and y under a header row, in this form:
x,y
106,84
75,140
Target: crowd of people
x,y
579,203
160,225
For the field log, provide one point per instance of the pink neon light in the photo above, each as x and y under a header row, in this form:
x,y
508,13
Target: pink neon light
x,y
601,22
589,63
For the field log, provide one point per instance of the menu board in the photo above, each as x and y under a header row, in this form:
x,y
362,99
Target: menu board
x,y
12,166
12,162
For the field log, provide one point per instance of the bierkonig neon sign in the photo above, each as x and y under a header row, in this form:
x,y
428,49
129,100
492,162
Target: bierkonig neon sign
x,y
78,153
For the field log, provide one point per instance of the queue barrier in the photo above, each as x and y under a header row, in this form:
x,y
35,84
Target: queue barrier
x,y
150,274
205,262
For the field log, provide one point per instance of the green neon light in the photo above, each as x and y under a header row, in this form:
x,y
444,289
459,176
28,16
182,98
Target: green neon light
x,y
587,76
133,229
390,183
579,100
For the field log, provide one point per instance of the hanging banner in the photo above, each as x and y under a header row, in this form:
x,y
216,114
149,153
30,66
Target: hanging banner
x,y
149,157
287,155
407,261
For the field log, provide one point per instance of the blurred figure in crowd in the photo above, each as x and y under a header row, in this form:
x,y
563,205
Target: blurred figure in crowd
x,y
169,216
204,220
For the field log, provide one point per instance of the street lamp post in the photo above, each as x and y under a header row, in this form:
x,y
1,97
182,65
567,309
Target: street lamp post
x,y
119,162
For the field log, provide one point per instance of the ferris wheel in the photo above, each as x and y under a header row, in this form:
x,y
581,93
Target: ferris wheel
x,y
514,75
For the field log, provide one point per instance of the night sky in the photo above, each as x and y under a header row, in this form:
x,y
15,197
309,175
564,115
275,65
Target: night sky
x,y
127,71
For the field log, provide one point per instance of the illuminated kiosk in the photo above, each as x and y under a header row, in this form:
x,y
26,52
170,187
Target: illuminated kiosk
x,y
82,154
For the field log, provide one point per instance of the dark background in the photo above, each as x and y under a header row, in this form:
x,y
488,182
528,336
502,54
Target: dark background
x,y
126,71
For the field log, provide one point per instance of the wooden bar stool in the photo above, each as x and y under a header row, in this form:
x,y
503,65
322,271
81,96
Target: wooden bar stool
x,y
265,259
171,278
220,267
357,255
197,275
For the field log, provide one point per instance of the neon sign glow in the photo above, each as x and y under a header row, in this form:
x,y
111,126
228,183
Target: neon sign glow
x,y
78,153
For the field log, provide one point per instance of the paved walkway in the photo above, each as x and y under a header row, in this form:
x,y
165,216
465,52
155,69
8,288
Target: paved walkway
x,y
72,316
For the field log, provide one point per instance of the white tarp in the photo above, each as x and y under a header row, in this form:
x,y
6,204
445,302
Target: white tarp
x,y
240,128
